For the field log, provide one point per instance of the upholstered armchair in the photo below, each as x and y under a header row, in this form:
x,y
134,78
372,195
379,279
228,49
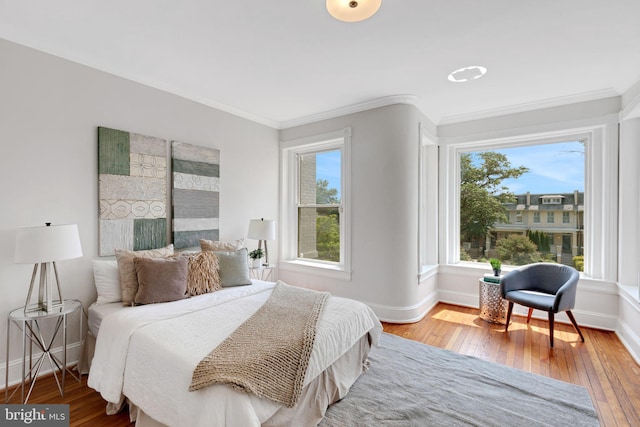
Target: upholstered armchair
x,y
543,286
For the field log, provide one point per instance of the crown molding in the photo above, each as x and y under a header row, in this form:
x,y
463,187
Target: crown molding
x,y
632,109
350,109
530,106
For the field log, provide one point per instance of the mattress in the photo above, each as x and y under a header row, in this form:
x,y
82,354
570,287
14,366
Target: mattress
x,y
97,312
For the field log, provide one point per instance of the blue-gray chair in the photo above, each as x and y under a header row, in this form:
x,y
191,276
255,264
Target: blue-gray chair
x,y
543,286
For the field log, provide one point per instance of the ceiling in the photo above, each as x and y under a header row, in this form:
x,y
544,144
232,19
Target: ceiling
x,y
288,62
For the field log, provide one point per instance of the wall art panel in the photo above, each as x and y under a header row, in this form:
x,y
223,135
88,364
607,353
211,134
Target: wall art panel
x,y
132,191
195,194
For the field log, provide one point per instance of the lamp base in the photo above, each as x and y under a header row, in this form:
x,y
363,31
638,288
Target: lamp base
x,y
45,303
47,308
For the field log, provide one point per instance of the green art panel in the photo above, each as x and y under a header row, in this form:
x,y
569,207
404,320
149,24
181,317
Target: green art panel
x,y
196,168
191,239
132,191
149,233
113,151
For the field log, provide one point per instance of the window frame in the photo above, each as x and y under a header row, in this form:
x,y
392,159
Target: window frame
x,y
601,169
551,217
519,217
428,202
289,151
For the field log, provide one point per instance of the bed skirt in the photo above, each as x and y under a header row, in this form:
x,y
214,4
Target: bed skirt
x,y
329,387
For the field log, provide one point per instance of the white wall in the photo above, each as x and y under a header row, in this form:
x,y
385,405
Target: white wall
x,y
384,201
629,222
49,111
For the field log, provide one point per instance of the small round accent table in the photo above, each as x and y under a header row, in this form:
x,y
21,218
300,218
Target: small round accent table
x,y
33,334
492,307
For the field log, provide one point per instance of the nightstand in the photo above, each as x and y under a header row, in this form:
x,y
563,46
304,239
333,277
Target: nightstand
x,y
262,273
30,325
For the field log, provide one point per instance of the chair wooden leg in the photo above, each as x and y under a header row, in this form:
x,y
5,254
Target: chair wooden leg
x,y
529,315
575,324
509,310
551,329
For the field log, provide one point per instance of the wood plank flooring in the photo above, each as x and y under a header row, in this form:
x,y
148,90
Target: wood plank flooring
x,y
601,364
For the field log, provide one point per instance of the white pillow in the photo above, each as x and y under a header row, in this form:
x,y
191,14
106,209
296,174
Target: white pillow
x,y
107,280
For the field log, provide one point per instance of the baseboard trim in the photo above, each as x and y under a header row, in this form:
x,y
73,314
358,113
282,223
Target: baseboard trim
x,y
410,314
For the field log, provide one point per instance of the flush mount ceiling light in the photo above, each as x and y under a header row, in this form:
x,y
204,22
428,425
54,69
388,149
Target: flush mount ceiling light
x,y
467,74
353,10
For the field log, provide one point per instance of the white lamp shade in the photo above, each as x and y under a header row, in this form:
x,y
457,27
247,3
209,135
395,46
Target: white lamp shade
x,y
262,229
40,244
352,11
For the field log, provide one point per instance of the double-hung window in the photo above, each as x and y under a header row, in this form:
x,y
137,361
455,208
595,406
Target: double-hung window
x,y
315,204
551,217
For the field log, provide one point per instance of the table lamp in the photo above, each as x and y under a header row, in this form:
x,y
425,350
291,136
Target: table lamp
x,y
42,246
262,230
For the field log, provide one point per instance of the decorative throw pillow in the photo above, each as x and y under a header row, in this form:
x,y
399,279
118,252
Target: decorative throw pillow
x,y
234,268
128,278
203,274
107,280
161,279
211,245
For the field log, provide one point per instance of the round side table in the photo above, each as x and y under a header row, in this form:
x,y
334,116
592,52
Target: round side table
x,y
493,308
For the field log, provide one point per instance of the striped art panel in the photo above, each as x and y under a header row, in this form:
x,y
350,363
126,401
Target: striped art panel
x,y
132,191
195,194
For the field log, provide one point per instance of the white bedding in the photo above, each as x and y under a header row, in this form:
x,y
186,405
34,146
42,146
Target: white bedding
x,y
97,312
148,353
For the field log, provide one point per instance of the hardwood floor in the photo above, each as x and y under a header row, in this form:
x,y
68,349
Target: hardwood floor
x,y
601,364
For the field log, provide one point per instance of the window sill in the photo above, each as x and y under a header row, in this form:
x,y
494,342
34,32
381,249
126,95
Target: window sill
x,y
427,272
308,267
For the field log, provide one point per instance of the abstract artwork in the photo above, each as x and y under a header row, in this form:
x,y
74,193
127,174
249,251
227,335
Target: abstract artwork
x,y
195,195
132,191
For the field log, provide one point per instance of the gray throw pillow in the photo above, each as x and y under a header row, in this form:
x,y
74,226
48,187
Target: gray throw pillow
x,y
161,279
234,268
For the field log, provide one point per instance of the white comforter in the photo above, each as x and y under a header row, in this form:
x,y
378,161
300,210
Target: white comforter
x,y
148,353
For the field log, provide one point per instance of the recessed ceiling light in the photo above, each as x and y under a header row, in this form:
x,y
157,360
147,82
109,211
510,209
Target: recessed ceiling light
x,y
352,10
467,74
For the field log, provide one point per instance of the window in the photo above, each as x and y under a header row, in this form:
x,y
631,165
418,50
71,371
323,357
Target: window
x,y
428,203
319,205
551,200
499,186
550,217
315,212
596,206
566,218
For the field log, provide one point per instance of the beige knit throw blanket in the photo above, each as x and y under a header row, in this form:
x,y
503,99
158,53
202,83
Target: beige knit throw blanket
x,y
269,353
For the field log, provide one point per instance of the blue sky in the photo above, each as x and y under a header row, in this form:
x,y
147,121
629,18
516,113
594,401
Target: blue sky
x,y
553,168
328,167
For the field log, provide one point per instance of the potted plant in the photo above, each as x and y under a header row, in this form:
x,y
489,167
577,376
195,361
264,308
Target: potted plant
x,y
496,264
256,255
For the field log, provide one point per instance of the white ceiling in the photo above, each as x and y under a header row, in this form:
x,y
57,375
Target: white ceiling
x,y
287,62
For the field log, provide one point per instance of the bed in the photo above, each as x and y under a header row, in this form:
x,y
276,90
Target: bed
x,y
146,355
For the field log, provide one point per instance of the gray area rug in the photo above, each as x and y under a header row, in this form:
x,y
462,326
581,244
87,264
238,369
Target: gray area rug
x,y
412,384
